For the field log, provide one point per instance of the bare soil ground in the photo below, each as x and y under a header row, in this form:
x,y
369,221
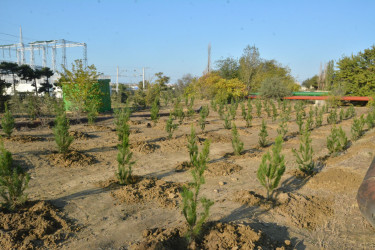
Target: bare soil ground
x,y
311,213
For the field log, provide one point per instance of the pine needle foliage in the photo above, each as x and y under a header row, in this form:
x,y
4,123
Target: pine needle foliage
x,y
13,181
304,155
192,145
310,120
170,127
258,106
155,111
341,115
282,130
336,141
7,123
233,110
205,111
319,118
190,195
274,112
350,112
61,132
299,121
263,135
227,121
272,168
122,117
357,128
237,144
332,117
370,120
243,111
124,158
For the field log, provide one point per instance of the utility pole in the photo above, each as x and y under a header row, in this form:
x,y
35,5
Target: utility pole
x,y
117,81
209,59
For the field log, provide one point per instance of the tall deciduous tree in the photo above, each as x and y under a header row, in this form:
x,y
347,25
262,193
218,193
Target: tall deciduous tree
x,y
228,68
248,68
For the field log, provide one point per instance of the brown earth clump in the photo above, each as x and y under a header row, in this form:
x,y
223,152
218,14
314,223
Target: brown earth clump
x,y
183,166
222,168
336,180
173,145
73,159
215,137
166,194
37,225
143,147
304,211
78,135
215,235
24,138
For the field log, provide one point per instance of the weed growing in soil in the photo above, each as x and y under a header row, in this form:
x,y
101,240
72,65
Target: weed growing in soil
x,y
124,158
170,127
357,128
337,140
190,194
61,132
272,168
7,123
13,181
155,111
263,134
237,144
205,111
304,155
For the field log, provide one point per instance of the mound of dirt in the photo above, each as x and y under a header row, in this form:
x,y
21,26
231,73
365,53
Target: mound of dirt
x,y
37,225
183,166
143,147
24,138
78,135
302,211
337,180
215,137
172,145
215,235
166,194
135,122
73,159
222,168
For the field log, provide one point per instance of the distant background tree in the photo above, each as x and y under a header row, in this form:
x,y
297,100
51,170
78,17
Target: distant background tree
x,y
311,82
329,75
46,87
228,68
3,97
162,80
249,66
274,87
183,83
25,72
9,68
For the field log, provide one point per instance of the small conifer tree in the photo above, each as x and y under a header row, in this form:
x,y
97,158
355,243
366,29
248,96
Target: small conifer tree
x,y
203,115
237,144
213,105
124,159
274,112
370,120
357,128
267,108
13,181
299,121
233,110
61,132
258,106
304,155
190,194
319,118
332,117
155,111
227,121
272,168
122,117
341,115
243,111
7,123
191,111
337,140
263,135
170,127
310,120
283,127
221,110
192,145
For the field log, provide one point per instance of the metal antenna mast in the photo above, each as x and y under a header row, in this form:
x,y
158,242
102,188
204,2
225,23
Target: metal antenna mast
x,y
209,58
22,48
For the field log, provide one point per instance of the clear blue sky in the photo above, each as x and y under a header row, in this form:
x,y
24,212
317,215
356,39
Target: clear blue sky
x,y
172,36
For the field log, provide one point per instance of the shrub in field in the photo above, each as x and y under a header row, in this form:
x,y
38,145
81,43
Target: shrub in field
x,y
237,144
263,135
203,115
272,168
350,112
341,115
61,132
13,181
304,155
370,120
124,159
190,195
357,128
7,123
243,111
274,111
319,118
155,111
122,117
258,106
299,121
332,117
337,140
282,130
227,121
170,127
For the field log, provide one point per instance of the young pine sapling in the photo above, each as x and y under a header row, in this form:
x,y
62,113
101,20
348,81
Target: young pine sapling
x,y
304,155
61,132
7,123
337,140
263,135
124,159
237,144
